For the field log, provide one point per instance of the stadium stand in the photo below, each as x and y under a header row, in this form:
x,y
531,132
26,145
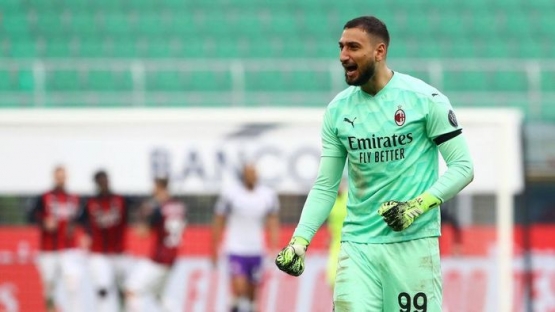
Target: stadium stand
x,y
240,29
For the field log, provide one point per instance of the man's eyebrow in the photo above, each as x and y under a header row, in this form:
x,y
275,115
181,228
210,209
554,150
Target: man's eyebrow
x,y
351,43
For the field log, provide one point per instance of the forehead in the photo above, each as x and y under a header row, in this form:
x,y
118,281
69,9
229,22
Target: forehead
x,y
249,169
355,34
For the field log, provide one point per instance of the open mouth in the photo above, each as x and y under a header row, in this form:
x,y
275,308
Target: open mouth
x,y
350,69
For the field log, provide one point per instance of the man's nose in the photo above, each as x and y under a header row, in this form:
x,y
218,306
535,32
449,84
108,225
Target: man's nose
x,y
343,56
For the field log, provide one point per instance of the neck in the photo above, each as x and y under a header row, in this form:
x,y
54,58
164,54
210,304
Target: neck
x,y
59,188
162,196
381,77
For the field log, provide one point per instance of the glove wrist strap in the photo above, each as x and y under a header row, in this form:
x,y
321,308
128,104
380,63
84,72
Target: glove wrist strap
x,y
297,240
426,201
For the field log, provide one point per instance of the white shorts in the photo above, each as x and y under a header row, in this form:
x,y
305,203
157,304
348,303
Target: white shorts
x,y
67,264
147,277
108,271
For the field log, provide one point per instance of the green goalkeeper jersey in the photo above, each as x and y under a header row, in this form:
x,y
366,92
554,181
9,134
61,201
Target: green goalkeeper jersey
x,y
388,140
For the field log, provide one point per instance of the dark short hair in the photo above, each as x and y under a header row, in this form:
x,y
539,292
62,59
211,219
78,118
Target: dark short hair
x,y
99,174
162,182
371,25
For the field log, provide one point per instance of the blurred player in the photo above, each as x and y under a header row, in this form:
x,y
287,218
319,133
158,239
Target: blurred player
x,y
390,126
335,223
105,220
164,216
243,210
60,260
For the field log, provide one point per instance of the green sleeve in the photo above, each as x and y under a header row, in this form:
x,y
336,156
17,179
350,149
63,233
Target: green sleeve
x,y
331,145
321,197
460,170
441,118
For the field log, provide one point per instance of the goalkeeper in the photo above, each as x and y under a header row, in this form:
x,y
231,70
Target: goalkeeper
x,y
391,127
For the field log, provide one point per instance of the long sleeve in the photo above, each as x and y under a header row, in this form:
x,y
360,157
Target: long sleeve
x,y
321,197
460,169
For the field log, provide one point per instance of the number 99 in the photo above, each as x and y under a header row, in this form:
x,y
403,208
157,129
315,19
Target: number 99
x,y
420,302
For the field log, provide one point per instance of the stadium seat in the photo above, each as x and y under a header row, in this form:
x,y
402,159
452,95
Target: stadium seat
x,y
164,81
170,4
24,48
538,5
124,48
50,24
509,81
192,48
465,81
548,81
25,80
42,6
90,48
58,48
109,80
78,5
450,25
108,5
15,25
283,24
207,81
118,24
6,83
184,24
84,24
545,24
517,25
528,48
316,25
418,25
264,81
460,49
306,81
494,48
63,80
11,6
228,49
152,25
160,48
249,25
480,26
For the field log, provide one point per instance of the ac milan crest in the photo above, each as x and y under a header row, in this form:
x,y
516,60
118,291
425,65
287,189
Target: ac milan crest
x,y
400,117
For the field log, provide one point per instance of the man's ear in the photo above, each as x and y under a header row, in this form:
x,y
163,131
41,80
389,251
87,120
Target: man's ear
x,y
381,52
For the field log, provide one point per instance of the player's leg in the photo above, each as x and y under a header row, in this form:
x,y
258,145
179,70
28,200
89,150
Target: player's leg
x,y
145,279
122,265
331,268
103,280
136,286
48,269
413,273
254,278
357,283
72,264
238,270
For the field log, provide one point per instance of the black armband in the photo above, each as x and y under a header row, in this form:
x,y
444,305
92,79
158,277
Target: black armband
x,y
446,137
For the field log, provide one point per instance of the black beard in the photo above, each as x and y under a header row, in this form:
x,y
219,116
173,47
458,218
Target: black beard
x,y
364,77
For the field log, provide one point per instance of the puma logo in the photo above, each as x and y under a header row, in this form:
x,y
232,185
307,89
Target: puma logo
x,y
349,121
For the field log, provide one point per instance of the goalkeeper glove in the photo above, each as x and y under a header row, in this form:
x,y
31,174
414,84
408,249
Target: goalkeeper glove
x,y
291,258
400,215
